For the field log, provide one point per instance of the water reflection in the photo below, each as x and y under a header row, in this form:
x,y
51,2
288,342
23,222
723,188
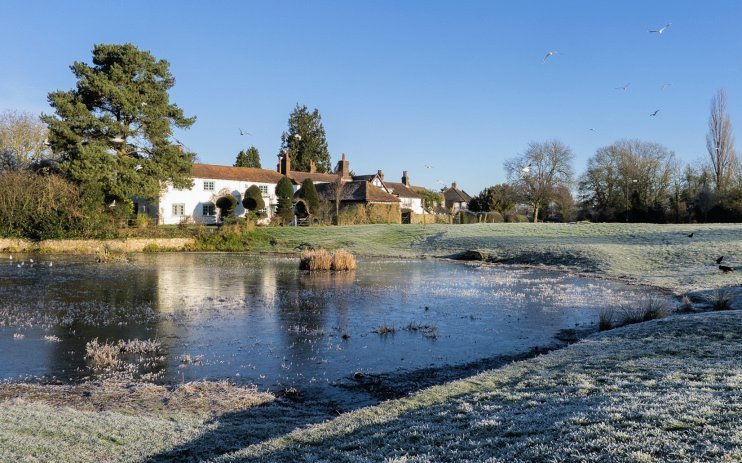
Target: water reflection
x,y
260,320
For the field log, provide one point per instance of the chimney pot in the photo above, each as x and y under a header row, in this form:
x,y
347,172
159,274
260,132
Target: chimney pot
x,y
453,185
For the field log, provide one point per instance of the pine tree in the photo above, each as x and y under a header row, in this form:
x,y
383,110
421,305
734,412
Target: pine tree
x,y
249,158
253,200
285,193
113,130
305,140
310,196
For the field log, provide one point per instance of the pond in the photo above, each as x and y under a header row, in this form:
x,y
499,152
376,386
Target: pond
x,y
259,320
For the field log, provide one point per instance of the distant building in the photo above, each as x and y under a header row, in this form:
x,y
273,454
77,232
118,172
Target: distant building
x,y
455,199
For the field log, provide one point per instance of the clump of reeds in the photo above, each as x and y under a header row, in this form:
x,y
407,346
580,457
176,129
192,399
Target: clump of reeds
x,y
343,260
605,319
385,329
319,259
102,355
106,254
685,304
313,260
721,299
651,308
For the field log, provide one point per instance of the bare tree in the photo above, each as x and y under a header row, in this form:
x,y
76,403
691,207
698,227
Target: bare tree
x,y
335,190
537,172
720,142
22,139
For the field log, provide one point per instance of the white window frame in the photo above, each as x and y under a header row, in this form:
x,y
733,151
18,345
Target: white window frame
x,y
209,183
263,190
208,207
178,210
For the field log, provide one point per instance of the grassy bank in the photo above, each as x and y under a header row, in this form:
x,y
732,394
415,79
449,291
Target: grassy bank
x,y
667,390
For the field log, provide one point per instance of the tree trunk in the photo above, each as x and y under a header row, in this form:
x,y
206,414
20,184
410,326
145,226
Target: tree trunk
x,y
535,214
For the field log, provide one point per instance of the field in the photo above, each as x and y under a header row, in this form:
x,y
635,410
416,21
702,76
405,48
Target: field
x,y
665,390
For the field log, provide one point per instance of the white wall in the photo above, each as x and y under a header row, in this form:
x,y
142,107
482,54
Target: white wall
x,y
415,204
194,198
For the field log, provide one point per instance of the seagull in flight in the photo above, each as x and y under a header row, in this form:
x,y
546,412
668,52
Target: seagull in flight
x,y
428,166
624,87
664,86
244,133
525,169
548,55
662,29
593,130
654,113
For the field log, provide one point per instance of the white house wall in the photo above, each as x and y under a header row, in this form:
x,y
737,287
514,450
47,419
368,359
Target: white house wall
x,y
193,199
414,204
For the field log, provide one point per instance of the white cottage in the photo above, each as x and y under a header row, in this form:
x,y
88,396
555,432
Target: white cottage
x,y
211,183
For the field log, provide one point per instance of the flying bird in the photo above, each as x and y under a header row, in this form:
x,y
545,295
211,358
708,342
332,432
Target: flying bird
x,y
662,29
624,88
525,169
593,130
718,261
726,268
428,166
664,86
548,55
654,113
242,132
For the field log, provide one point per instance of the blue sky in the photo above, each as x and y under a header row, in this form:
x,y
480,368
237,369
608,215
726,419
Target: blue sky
x,y
459,85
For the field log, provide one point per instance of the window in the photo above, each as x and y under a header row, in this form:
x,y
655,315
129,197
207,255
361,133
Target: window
x,y
178,209
264,210
209,209
263,189
208,186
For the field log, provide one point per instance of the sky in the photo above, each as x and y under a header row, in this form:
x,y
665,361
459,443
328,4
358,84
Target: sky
x,y
457,85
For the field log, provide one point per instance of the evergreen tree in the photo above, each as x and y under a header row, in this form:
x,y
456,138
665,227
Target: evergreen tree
x,y
112,131
285,193
310,196
253,200
249,158
305,140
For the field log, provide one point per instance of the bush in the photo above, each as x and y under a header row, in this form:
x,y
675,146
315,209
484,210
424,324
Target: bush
x,y
227,205
650,309
315,260
309,194
605,319
285,194
493,217
253,199
44,207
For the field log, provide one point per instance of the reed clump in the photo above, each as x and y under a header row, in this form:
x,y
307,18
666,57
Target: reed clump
x,y
320,259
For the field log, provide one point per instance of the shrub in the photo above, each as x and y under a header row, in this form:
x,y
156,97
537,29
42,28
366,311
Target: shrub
x,y
309,194
253,199
650,309
285,194
353,215
142,221
227,204
343,260
494,217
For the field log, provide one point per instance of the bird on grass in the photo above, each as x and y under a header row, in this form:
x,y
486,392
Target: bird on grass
x,y
726,268
662,29
718,261
654,113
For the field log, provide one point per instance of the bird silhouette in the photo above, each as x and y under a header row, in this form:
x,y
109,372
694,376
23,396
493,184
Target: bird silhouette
x,y
242,132
548,55
726,268
525,169
664,86
662,29
654,113
718,261
428,166
624,87
691,235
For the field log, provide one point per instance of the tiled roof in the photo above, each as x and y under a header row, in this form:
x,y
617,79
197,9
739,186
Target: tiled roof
x,y
315,176
456,195
366,178
401,190
245,174
355,191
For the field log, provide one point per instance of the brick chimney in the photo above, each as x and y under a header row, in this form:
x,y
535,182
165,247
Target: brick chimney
x,y
285,164
312,167
453,185
380,174
405,179
343,167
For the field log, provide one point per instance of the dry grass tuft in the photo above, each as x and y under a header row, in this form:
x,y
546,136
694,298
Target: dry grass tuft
x,y
651,308
315,260
106,355
343,260
685,304
721,299
605,319
105,255
385,329
319,259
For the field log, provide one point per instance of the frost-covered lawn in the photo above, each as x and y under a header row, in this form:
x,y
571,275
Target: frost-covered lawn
x,y
666,390
659,255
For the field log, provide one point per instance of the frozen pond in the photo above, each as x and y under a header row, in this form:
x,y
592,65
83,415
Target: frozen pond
x,y
258,319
